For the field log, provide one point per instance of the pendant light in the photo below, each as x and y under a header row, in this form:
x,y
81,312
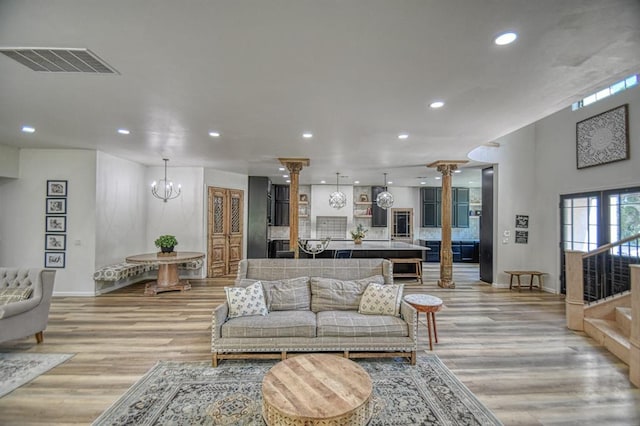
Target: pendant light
x,y
164,189
337,199
384,200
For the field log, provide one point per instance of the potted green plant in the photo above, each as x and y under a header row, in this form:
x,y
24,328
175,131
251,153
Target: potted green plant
x,y
166,243
358,234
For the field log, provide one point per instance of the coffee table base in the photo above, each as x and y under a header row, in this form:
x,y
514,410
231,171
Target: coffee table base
x,y
151,289
360,417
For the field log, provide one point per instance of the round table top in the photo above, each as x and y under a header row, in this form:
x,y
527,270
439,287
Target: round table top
x,y
422,300
180,256
316,386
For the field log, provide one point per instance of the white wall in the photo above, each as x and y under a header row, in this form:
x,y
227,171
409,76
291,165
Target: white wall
x,y
183,216
9,161
536,165
22,210
320,205
121,209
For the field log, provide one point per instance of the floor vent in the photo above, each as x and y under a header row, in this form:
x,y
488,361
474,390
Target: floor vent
x,y
59,60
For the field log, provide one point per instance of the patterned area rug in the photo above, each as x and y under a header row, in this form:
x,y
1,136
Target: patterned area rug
x,y
16,369
179,393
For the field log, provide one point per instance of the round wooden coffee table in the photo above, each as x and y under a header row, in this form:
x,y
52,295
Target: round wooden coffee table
x,y
316,389
429,305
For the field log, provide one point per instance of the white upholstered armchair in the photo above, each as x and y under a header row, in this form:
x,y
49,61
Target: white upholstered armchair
x,y
25,298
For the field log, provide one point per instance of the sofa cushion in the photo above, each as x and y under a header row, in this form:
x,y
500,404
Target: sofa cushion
x,y
276,324
10,295
284,295
381,299
328,294
246,301
353,324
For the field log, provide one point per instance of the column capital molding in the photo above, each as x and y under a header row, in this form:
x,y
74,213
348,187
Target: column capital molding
x,y
446,166
294,165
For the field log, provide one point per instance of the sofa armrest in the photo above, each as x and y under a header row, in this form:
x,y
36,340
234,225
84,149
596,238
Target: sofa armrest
x,y
16,308
410,315
218,318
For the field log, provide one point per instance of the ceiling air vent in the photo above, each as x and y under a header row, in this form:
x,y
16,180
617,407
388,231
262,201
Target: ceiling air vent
x,y
59,60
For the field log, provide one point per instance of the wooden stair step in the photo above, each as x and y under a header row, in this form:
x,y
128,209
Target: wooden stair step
x,y
623,318
610,335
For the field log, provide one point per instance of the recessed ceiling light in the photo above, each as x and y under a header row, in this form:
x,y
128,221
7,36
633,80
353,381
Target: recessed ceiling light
x,y
356,182
214,134
28,129
281,169
285,176
307,135
436,104
457,171
124,131
423,183
389,182
288,181
323,181
438,178
506,38
403,136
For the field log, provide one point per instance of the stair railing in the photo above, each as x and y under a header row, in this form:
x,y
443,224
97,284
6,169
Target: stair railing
x,y
602,273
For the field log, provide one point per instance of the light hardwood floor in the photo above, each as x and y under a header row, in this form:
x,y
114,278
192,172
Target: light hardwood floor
x,y
510,348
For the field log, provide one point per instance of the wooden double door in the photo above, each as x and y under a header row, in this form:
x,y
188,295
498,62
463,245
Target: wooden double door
x,y
224,246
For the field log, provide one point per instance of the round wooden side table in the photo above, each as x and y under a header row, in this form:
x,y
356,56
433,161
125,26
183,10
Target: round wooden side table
x,y
429,305
316,389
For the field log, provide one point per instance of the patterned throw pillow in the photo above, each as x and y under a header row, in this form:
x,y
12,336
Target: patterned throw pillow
x,y
11,295
381,299
246,301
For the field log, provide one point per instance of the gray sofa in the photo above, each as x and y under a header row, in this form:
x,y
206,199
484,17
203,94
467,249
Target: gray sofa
x,y
319,324
21,317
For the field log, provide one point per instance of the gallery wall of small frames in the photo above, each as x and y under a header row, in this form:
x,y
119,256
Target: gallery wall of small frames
x,y
55,237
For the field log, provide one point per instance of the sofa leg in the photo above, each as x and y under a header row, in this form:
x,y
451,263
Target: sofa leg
x,y
413,357
39,337
214,360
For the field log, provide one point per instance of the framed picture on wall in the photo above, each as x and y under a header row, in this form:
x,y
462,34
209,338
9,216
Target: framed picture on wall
x,y
56,224
54,259
522,221
56,205
55,242
522,237
603,138
56,188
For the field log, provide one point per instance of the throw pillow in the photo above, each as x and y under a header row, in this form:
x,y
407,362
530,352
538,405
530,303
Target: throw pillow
x,y
288,295
328,294
246,301
381,299
10,295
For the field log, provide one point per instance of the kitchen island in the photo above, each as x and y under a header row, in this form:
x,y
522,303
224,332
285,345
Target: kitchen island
x,y
371,249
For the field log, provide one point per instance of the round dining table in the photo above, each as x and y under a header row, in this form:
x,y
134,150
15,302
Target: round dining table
x,y
168,279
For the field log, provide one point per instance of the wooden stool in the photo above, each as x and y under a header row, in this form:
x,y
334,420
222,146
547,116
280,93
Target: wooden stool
x,y
517,274
429,305
416,262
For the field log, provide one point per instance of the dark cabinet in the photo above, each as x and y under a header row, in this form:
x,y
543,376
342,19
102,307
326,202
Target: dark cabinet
x,y
431,207
378,215
431,204
460,208
259,207
462,251
279,248
281,205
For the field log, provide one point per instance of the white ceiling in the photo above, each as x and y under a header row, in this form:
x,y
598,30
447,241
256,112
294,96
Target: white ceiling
x,y
355,73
